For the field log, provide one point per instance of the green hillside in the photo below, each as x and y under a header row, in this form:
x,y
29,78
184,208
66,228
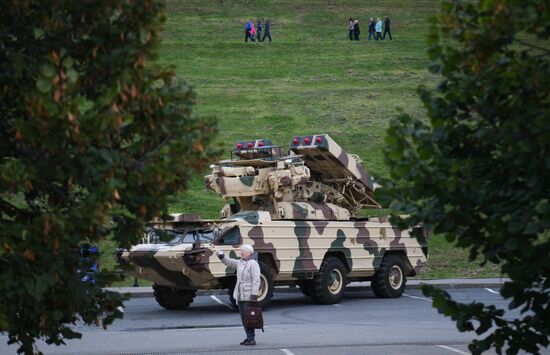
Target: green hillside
x,y
311,79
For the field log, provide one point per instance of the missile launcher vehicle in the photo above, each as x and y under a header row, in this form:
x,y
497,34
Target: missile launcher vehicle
x,y
299,209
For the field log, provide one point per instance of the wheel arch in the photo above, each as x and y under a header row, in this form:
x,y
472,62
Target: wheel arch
x,y
403,255
339,255
268,260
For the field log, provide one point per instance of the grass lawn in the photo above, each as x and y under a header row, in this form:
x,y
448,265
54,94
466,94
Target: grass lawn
x,y
311,79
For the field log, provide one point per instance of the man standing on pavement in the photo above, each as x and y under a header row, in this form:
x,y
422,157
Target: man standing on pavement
x,y
267,32
247,286
387,27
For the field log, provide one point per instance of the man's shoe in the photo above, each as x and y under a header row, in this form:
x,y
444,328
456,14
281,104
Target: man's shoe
x,y
250,342
244,342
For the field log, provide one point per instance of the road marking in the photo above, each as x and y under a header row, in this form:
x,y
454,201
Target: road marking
x,y
418,298
337,305
492,291
287,352
453,349
220,302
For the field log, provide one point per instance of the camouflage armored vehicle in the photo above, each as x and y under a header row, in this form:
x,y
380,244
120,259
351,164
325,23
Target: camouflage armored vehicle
x,y
300,212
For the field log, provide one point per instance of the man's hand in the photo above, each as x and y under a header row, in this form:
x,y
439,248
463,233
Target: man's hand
x,y
220,254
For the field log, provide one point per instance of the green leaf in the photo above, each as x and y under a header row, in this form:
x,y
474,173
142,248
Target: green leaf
x,y
38,33
44,84
48,70
72,75
84,105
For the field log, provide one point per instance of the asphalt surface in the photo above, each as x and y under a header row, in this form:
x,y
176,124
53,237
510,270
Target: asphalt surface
x,y
359,324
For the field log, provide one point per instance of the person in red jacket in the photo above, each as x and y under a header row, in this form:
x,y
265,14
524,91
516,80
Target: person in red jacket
x,y
252,33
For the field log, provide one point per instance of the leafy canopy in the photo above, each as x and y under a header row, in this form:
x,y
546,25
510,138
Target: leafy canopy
x,y
94,137
478,170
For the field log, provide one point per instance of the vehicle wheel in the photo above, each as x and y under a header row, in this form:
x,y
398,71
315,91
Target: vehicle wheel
x,y
230,293
173,298
330,282
306,287
266,285
390,279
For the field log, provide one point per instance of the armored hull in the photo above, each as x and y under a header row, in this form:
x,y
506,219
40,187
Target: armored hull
x,y
294,252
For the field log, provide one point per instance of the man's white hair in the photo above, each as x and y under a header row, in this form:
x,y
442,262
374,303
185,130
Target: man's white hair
x,y
248,248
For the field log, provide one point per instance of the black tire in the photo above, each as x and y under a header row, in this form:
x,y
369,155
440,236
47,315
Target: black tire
x,y
173,298
265,298
230,293
267,277
390,279
306,287
329,284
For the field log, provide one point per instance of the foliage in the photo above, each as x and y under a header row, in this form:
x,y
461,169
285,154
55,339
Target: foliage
x,y
93,138
479,170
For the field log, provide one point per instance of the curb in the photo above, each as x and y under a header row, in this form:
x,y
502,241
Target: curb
x,y
145,292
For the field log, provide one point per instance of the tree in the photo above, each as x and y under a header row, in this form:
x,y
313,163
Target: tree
x,y
94,137
478,170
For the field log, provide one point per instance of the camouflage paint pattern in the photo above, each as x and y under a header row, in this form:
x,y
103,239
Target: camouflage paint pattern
x,y
296,247
294,210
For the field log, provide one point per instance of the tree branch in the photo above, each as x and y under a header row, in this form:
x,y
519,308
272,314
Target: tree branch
x,y
532,46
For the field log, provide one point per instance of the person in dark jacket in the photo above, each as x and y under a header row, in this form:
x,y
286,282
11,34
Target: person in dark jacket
x,y
259,30
372,24
350,28
387,27
267,31
356,30
247,28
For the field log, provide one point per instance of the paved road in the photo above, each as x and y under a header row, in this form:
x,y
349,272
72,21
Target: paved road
x,y
359,324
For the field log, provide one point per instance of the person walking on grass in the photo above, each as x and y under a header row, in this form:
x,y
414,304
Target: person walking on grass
x,y
356,30
259,30
387,27
372,24
247,287
252,32
351,26
267,31
247,30
378,29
